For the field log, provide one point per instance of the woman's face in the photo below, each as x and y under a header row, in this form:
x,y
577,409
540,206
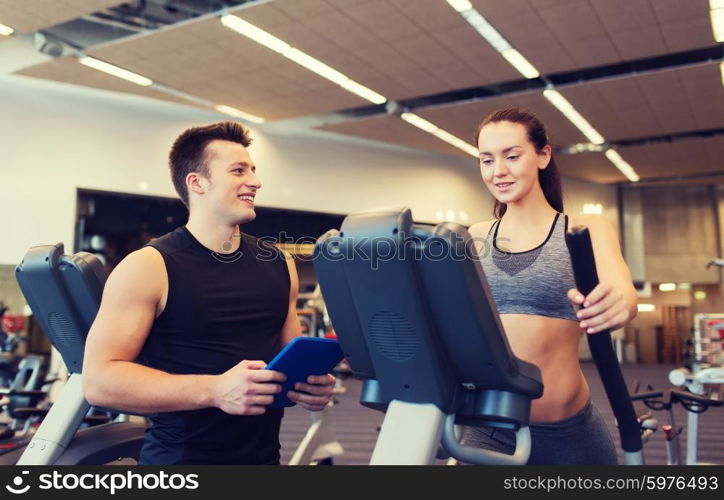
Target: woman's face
x,y
509,162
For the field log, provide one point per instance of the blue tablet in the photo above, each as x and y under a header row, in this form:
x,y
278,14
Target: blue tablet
x,y
300,358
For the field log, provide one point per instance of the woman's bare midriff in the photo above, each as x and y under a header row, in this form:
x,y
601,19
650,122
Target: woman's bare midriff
x,y
552,345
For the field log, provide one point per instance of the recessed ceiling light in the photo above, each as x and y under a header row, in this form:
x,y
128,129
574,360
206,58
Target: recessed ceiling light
x,y
116,71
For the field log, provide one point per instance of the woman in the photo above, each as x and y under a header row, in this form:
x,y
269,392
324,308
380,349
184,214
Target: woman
x,y
528,268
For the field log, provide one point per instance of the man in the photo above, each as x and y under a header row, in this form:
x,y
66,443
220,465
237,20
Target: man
x,y
188,323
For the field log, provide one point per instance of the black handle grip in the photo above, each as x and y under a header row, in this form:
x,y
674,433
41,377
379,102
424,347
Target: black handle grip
x,y
647,395
695,398
16,392
662,400
578,240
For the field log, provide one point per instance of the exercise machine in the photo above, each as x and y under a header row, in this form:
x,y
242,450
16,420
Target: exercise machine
x,y
705,383
320,445
18,403
64,293
666,400
417,323
715,262
421,334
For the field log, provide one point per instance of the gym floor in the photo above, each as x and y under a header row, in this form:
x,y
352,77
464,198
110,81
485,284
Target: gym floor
x,y
357,426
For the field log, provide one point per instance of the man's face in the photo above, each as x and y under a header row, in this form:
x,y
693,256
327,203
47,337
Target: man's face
x,y
232,183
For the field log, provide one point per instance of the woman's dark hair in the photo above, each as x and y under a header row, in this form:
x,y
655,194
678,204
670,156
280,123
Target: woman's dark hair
x,y
188,153
549,178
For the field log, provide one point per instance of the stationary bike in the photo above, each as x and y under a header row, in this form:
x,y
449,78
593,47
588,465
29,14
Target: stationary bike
x,y
666,400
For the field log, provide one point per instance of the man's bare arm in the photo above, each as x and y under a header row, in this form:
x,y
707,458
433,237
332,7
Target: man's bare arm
x,y
291,328
112,378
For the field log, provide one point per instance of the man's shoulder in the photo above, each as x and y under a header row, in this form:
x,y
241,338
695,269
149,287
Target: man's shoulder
x,y
169,242
141,275
147,262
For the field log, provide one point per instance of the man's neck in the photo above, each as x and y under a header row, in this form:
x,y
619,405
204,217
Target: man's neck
x,y
214,235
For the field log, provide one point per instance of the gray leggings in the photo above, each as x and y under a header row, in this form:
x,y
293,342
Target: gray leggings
x,y
582,439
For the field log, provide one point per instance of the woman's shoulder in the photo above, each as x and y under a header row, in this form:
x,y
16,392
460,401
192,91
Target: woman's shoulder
x,y
481,229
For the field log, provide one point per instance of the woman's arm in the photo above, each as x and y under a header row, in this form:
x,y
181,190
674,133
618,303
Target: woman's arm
x,y
612,303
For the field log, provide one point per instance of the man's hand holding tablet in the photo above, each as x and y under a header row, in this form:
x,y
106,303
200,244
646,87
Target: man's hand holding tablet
x,y
306,362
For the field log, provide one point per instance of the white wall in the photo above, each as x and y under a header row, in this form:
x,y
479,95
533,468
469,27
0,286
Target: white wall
x,y
577,193
55,138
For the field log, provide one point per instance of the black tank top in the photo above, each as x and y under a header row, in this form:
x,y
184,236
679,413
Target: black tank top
x,y
221,309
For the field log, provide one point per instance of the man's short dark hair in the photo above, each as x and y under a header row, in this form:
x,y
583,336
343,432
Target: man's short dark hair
x,y
188,153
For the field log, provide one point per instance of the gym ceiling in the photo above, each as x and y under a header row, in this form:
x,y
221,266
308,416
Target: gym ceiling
x,y
641,82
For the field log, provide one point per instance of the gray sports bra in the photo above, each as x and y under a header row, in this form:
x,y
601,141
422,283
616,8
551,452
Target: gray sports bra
x,y
532,282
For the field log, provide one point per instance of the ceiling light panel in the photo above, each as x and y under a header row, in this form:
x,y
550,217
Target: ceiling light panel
x,y
119,72
302,58
494,38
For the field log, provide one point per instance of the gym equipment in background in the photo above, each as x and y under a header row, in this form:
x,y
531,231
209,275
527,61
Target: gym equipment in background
x,y
64,293
665,400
